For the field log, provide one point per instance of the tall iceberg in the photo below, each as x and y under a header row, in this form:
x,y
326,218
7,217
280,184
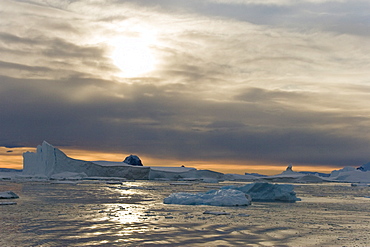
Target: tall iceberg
x,y
49,160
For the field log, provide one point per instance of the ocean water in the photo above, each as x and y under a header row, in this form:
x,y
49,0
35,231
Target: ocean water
x,y
133,214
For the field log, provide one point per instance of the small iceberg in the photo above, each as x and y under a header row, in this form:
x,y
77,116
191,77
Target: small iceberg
x,y
8,195
215,212
7,203
225,197
266,192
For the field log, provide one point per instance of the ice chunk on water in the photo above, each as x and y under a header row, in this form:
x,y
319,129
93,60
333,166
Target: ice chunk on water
x,y
216,212
267,192
8,195
8,203
227,197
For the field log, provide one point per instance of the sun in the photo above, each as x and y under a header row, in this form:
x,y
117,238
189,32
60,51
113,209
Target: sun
x,y
133,55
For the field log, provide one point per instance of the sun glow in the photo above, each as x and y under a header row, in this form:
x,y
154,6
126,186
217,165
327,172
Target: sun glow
x,y
133,55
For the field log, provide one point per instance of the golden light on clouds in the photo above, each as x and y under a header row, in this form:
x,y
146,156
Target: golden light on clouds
x,y
12,158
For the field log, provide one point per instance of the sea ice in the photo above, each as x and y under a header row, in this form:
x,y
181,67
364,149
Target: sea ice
x,y
226,197
215,212
7,203
8,195
267,192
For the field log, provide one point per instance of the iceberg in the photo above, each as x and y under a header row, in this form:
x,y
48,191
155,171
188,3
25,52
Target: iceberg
x,y
7,203
215,212
290,176
8,195
133,160
364,167
49,160
336,173
350,176
239,177
224,197
183,173
266,192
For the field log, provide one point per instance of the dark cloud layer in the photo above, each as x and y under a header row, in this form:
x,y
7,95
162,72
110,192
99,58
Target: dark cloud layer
x,y
173,126
230,86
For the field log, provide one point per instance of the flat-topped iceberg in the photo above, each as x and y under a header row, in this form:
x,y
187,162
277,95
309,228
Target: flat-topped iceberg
x,y
350,174
213,198
266,192
50,162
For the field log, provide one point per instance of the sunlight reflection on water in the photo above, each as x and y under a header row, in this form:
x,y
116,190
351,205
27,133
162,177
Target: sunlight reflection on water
x,y
133,214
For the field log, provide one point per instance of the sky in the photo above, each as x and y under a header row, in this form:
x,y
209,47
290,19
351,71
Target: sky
x,y
228,85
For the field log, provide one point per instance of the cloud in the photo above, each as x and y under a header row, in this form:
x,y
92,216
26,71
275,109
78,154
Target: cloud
x,y
228,86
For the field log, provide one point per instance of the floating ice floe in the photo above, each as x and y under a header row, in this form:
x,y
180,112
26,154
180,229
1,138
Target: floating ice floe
x,y
359,184
7,203
267,192
215,212
225,197
8,195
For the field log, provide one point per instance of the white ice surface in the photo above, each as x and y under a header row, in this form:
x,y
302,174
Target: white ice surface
x,y
365,167
8,195
68,176
232,177
7,203
216,212
213,197
171,169
109,163
267,192
354,176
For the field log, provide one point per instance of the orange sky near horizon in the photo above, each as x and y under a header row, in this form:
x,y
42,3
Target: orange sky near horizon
x,y
12,158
